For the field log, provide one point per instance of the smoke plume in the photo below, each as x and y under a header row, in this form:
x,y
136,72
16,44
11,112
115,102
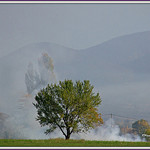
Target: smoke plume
x,y
35,80
109,131
21,123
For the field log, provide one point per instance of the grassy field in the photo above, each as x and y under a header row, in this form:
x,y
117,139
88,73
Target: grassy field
x,y
69,143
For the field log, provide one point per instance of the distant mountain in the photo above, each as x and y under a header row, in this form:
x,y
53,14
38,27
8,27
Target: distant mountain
x,y
119,69
117,59
123,49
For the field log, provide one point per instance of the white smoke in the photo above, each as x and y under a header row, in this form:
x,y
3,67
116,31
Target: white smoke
x,y
17,102
109,131
22,123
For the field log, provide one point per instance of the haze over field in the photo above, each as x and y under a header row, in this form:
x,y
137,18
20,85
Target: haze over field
x,y
117,66
122,84
118,69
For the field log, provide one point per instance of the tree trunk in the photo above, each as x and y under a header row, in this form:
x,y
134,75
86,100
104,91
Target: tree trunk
x,y
68,134
68,137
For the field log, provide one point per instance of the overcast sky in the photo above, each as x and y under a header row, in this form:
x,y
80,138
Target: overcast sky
x,y
73,25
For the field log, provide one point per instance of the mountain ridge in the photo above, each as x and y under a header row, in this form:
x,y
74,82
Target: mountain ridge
x,y
40,44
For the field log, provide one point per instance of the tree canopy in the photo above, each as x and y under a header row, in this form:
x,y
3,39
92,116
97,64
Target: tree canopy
x,y
71,107
140,126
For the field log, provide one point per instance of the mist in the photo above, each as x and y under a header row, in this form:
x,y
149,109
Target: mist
x,y
123,89
17,98
109,131
113,53
131,97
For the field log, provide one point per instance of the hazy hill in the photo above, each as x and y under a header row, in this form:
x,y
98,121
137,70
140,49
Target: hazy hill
x,y
119,69
125,54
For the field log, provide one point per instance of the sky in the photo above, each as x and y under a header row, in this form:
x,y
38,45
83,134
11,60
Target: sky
x,y
77,26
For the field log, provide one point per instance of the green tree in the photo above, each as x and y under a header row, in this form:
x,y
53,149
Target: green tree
x,y
71,107
140,126
147,132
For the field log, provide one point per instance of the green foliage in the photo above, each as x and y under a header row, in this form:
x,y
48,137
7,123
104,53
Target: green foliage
x,y
71,107
140,126
148,131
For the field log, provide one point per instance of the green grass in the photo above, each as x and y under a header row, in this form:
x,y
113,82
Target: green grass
x,y
69,143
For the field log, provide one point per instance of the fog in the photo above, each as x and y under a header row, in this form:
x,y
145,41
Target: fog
x,y
77,26
117,67
27,70
109,131
129,99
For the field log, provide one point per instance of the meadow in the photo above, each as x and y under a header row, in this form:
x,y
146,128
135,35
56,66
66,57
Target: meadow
x,y
69,143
